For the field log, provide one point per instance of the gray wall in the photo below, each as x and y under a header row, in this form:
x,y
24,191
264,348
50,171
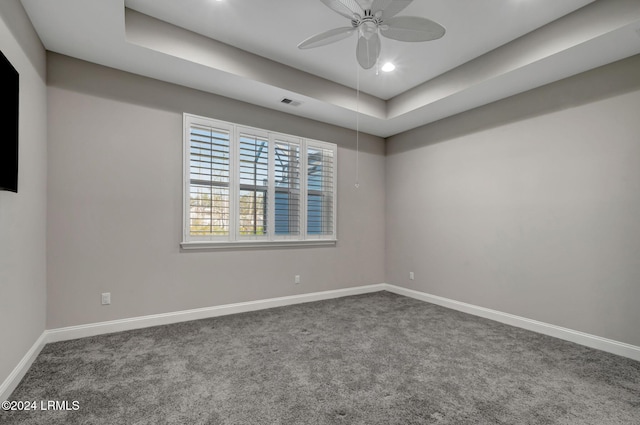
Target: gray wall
x,y
529,206
115,203
23,215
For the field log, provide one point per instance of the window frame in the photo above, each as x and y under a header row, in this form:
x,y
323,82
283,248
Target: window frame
x,y
234,240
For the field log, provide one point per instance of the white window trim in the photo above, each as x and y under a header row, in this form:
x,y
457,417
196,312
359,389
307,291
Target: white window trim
x,y
235,241
280,243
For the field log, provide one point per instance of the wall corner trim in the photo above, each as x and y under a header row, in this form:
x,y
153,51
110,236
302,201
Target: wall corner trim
x,y
582,338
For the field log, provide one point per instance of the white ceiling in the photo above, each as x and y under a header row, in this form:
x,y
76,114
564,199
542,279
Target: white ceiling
x,y
247,49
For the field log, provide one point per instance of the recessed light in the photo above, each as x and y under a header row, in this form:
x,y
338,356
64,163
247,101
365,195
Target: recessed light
x,y
388,67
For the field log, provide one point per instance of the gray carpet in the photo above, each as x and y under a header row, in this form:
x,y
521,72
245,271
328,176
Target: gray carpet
x,y
370,359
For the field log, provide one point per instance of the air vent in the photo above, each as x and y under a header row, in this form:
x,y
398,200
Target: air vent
x,y
291,102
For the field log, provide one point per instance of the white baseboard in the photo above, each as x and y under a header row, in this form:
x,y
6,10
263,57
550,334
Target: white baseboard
x,y
16,375
593,341
92,329
81,331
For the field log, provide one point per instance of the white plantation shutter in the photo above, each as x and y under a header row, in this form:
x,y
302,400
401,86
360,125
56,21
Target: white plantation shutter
x,y
287,187
321,189
254,200
209,179
247,187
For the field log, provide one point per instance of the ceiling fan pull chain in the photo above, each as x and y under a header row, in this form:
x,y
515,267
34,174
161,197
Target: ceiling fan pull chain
x,y
357,185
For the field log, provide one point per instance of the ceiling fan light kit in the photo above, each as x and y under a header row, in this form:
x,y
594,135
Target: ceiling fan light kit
x,y
375,18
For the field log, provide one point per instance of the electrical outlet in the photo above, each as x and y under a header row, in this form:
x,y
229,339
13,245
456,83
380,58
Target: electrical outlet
x,y
106,298
411,276
297,279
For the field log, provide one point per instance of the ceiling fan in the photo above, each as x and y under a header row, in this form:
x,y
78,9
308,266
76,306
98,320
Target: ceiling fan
x,y
370,19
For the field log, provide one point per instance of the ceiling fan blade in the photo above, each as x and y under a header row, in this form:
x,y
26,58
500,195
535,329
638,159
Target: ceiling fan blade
x,y
412,28
327,37
368,51
346,8
394,7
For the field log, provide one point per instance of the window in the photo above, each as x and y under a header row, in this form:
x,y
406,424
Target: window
x,y
246,187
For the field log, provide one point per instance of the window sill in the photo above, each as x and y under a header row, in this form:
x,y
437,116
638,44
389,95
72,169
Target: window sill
x,y
209,245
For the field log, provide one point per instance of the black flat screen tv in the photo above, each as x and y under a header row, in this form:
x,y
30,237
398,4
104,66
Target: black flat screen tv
x,y
9,102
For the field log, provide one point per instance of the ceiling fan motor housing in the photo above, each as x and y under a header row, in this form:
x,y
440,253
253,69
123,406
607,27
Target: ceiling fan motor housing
x,y
367,24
